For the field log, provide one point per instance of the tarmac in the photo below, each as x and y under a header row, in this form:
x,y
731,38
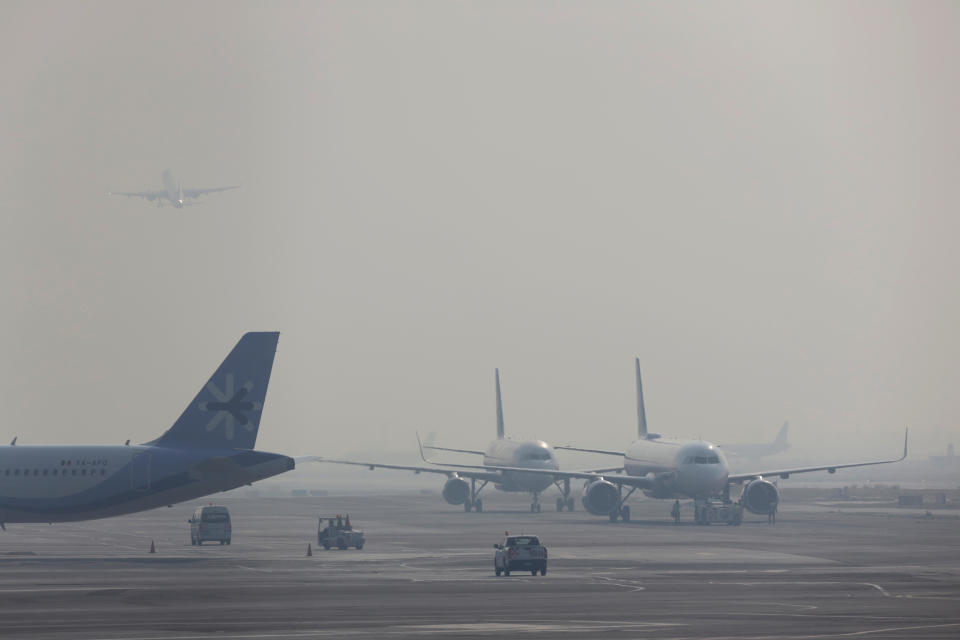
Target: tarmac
x,y
427,571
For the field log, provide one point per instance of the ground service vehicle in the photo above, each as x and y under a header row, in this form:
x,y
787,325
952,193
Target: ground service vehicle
x,y
210,523
717,511
519,553
338,533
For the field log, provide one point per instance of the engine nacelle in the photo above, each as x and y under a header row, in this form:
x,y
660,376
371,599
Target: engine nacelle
x,y
601,498
760,497
456,490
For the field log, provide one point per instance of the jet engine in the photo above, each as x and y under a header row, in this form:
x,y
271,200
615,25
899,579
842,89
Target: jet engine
x,y
760,496
456,490
600,497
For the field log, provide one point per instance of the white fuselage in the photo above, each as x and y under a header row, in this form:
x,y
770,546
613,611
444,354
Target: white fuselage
x,y
683,468
530,454
174,192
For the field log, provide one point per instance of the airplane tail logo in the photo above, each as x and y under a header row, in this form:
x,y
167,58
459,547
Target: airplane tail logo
x,y
230,408
226,413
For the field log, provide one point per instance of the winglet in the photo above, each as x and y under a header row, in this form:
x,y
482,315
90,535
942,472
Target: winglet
x,y
500,429
420,444
906,434
641,410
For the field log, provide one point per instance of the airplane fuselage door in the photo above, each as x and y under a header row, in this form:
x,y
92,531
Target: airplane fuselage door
x,y
140,472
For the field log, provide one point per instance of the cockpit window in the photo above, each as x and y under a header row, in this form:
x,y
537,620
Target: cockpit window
x,y
702,460
540,454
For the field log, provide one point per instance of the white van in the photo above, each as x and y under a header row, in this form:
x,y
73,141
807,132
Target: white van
x,y
210,523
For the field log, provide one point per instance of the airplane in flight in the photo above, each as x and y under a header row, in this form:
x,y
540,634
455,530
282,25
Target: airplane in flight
x,y
753,450
507,464
172,191
208,449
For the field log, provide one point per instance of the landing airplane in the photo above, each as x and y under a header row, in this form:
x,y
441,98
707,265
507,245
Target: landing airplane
x,y
521,466
207,450
172,191
758,450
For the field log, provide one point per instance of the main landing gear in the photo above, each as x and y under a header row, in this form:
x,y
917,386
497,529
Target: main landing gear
x,y
474,502
566,500
622,511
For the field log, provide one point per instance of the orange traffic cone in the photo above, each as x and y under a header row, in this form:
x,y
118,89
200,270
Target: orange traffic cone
x,y
309,550
153,547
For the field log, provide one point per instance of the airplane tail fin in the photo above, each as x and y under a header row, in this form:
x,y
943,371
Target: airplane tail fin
x,y
641,410
500,429
781,440
226,412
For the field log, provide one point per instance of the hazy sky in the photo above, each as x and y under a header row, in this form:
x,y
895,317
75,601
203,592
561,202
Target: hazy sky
x,y
760,200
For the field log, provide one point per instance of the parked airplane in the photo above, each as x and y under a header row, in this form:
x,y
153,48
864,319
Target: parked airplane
x,y
667,468
207,450
172,191
506,463
758,450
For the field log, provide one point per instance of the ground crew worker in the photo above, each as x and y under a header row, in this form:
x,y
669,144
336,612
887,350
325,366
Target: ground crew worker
x,y
339,522
772,515
347,524
675,512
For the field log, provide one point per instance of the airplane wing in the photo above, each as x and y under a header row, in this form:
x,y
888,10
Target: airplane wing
x,y
193,193
495,474
148,195
786,473
479,475
642,482
600,451
478,453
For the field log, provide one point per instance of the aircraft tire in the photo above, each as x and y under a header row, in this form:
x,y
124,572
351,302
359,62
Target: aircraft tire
x,y
506,572
498,571
560,504
467,506
478,506
538,507
570,503
625,513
